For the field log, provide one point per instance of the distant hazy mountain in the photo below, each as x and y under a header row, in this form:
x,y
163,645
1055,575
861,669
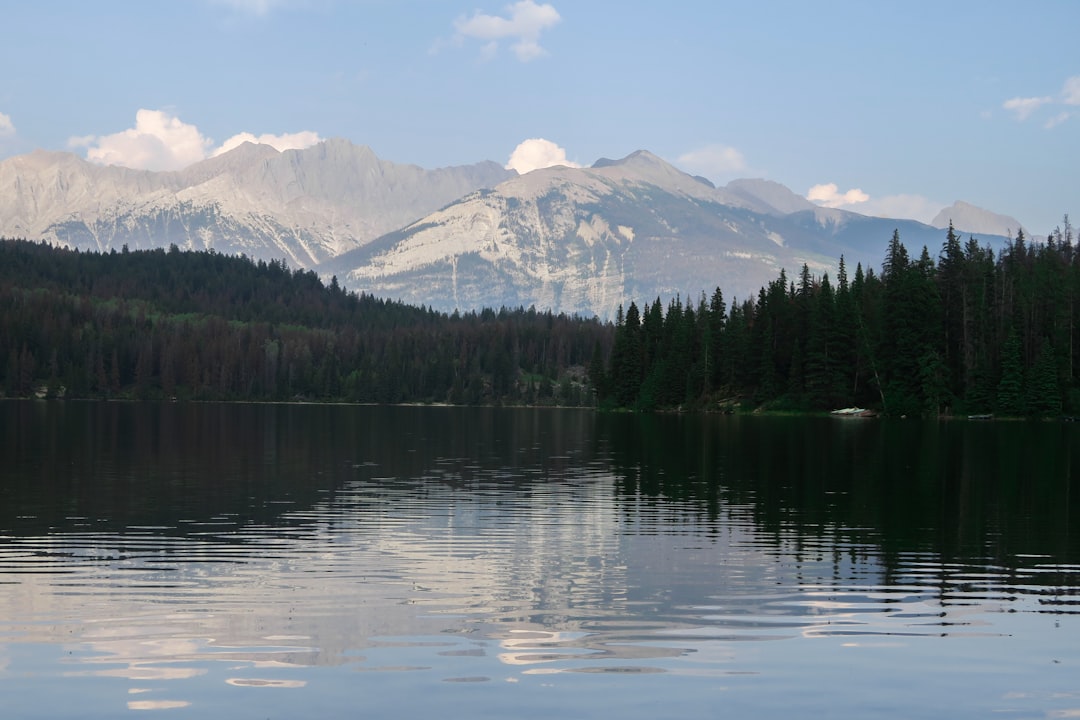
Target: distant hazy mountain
x,y
586,240
302,205
967,218
773,197
567,239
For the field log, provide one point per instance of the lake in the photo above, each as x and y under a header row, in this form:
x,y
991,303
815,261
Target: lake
x,y
286,561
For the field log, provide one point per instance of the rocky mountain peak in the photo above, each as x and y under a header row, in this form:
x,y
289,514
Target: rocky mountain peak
x,y
304,205
968,218
561,238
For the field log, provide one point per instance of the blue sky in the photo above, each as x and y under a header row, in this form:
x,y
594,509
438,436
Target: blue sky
x,y
895,109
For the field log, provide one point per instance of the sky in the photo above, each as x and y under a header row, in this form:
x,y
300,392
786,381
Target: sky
x,y
886,108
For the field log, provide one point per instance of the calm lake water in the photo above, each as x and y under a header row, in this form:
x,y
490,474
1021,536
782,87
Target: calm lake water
x,y
243,561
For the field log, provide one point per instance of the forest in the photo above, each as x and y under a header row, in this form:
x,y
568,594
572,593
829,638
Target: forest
x,y
963,333
183,325
966,332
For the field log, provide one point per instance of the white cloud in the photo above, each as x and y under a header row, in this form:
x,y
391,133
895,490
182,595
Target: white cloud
x,y
713,161
536,153
524,22
161,141
287,141
1070,92
7,128
914,207
1024,107
1057,120
829,195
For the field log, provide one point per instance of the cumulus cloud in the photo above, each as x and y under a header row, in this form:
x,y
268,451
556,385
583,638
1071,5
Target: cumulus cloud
x,y
161,141
713,161
829,195
1024,107
537,153
9,138
286,141
524,22
913,207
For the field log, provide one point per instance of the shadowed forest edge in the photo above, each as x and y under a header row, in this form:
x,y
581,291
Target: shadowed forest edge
x,y
966,332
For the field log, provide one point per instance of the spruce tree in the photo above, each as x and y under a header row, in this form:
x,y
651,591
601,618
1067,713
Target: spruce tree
x,y
1043,392
714,348
843,365
1010,389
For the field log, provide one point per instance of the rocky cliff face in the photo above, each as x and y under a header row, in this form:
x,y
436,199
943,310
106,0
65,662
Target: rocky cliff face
x,y
581,240
302,205
967,218
588,240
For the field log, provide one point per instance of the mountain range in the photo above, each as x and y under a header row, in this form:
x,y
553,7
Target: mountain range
x,y
302,205
581,240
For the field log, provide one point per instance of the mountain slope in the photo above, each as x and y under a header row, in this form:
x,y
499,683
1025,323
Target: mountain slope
x,y
967,218
580,240
771,197
585,240
304,205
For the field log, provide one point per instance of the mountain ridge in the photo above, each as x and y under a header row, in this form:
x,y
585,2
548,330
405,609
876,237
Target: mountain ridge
x,y
562,238
968,218
307,205
586,240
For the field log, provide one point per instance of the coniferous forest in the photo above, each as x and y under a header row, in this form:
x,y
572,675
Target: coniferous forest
x,y
962,332
205,326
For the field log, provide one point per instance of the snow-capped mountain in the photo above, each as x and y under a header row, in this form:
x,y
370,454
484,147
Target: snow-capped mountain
x,y
567,239
302,205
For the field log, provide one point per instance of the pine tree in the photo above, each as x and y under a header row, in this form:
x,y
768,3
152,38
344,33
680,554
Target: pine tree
x,y
1043,392
843,355
714,341
821,378
1010,389
625,376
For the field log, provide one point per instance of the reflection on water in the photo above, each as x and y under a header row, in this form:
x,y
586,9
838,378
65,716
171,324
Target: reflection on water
x,y
282,561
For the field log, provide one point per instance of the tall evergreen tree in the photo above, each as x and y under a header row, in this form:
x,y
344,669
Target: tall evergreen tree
x,y
626,359
1043,391
1010,395
714,340
821,378
843,354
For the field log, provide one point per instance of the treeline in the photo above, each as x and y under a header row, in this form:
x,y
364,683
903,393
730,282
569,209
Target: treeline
x,y
968,331
200,325
963,333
